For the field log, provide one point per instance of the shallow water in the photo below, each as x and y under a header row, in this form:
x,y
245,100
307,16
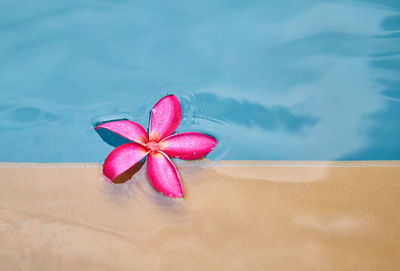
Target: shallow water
x,y
314,80
235,216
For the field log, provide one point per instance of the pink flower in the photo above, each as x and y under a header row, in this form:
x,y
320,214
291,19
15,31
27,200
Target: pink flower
x,y
158,146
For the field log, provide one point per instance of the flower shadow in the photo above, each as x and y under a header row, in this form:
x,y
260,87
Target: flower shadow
x,y
111,138
127,175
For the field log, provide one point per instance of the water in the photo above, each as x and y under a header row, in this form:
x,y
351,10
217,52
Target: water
x,y
298,80
336,216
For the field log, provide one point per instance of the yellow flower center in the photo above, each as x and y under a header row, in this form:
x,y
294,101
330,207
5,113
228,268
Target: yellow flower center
x,y
152,145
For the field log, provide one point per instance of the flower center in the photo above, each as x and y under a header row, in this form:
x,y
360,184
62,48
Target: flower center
x,y
152,145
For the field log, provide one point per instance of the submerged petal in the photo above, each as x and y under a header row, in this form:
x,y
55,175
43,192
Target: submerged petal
x,y
165,118
188,146
163,175
123,158
127,129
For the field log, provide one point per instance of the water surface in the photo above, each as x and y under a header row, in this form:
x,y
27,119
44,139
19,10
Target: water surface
x,y
294,80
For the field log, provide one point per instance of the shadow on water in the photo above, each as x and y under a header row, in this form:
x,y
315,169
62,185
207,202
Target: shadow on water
x,y
383,136
383,133
219,114
393,4
249,114
111,138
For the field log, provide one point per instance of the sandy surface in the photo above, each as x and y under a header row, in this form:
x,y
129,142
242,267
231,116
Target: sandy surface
x,y
235,216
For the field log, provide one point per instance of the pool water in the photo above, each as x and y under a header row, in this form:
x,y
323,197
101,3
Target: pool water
x,y
294,80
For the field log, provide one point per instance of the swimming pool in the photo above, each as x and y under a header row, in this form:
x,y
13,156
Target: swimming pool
x,y
298,80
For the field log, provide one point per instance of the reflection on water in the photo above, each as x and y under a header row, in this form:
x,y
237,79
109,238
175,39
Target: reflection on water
x,y
339,224
290,80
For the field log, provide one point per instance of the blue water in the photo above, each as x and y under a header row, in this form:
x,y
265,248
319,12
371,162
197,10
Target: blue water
x,y
274,80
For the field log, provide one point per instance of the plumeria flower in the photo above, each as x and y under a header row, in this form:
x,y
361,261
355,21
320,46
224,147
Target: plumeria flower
x,y
159,146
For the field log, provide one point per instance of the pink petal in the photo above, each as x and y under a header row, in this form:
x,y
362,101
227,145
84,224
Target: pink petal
x,y
123,158
165,118
188,146
163,175
128,129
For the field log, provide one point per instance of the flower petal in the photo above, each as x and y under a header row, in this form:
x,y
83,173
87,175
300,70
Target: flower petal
x,y
127,129
123,158
163,175
165,118
188,146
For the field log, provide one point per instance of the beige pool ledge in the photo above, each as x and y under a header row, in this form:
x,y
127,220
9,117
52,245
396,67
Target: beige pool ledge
x,y
241,215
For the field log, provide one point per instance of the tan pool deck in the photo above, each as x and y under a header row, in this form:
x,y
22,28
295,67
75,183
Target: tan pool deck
x,y
236,215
